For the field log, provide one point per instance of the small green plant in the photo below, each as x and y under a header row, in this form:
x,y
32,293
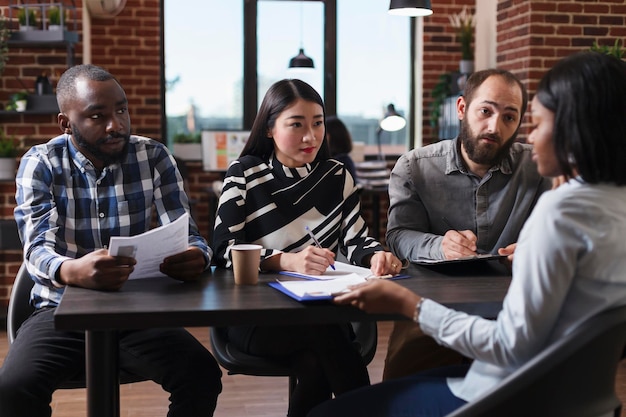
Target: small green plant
x,y
8,145
464,23
32,16
615,50
12,104
54,16
187,138
440,92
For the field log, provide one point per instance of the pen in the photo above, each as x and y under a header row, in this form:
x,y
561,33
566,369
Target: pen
x,y
317,243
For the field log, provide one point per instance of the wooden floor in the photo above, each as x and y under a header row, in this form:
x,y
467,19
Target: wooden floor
x,y
242,396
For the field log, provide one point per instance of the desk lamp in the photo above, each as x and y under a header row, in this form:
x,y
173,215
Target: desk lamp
x,y
392,122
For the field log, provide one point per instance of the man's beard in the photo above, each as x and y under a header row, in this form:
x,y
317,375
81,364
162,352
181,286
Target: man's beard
x,y
106,158
483,153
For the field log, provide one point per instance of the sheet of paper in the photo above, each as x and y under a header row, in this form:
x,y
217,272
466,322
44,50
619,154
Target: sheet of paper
x,y
481,257
321,288
342,270
151,247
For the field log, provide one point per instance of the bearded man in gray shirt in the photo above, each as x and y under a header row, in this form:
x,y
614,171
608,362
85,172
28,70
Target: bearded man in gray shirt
x,y
461,197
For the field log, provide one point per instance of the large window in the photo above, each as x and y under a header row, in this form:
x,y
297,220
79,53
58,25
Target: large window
x,y
204,62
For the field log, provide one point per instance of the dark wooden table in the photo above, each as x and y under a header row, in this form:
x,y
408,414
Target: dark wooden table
x,y
476,288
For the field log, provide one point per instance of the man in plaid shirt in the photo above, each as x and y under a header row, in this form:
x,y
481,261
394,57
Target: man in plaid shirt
x,y
95,181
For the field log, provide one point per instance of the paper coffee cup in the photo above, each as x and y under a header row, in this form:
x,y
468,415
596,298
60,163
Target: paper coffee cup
x,y
246,259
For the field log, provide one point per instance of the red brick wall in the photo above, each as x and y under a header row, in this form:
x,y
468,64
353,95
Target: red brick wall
x,y
128,45
531,36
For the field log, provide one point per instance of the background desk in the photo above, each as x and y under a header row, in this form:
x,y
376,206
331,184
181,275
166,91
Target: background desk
x,y
216,300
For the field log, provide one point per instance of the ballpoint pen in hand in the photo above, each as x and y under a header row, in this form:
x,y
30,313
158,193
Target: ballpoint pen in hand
x,y
317,242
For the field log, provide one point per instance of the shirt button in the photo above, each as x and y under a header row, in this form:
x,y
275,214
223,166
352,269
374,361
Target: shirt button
x,y
101,215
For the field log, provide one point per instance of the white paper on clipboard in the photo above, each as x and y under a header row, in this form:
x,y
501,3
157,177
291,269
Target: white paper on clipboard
x,y
151,247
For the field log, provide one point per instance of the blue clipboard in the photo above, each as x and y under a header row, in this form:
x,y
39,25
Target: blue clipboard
x,y
307,297
321,296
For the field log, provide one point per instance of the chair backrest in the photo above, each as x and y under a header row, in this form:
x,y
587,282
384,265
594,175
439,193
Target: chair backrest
x,y
573,377
19,302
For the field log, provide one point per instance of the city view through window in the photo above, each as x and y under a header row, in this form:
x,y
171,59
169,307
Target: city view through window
x,y
204,62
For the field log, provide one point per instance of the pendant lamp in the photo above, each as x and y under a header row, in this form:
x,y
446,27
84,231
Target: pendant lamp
x,y
410,8
301,60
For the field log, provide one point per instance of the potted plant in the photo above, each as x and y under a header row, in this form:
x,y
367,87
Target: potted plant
x,y
188,146
18,101
54,18
464,24
27,17
615,50
8,152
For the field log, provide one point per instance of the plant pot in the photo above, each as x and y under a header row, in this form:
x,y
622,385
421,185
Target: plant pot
x,y
7,168
188,151
20,105
55,27
466,66
24,28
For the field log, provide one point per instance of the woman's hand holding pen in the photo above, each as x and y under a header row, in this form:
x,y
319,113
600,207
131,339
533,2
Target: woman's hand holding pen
x,y
311,260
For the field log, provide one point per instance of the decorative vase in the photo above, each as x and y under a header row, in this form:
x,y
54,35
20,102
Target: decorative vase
x,y
466,66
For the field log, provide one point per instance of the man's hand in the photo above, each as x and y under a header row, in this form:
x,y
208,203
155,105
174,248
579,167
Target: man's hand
x,y
97,270
381,296
457,244
184,266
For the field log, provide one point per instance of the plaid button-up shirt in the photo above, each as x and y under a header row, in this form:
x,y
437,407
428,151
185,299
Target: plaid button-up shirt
x,y
65,209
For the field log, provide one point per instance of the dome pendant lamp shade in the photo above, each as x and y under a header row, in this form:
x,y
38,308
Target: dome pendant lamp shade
x,y
301,61
414,8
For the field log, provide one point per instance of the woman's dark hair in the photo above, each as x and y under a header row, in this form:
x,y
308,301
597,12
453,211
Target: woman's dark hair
x,y
338,136
587,93
279,96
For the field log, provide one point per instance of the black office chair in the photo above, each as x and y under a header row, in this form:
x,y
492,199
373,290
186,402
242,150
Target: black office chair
x,y
238,362
20,309
574,377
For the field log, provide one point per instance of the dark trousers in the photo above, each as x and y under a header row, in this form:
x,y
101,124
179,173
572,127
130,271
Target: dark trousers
x,y
41,358
422,395
323,358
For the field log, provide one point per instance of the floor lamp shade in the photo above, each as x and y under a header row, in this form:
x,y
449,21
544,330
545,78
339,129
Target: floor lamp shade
x,y
410,7
392,121
301,61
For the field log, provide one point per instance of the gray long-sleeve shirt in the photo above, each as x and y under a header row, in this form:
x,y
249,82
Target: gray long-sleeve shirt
x,y
432,182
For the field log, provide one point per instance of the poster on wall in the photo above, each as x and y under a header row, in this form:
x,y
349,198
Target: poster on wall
x,y
220,148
